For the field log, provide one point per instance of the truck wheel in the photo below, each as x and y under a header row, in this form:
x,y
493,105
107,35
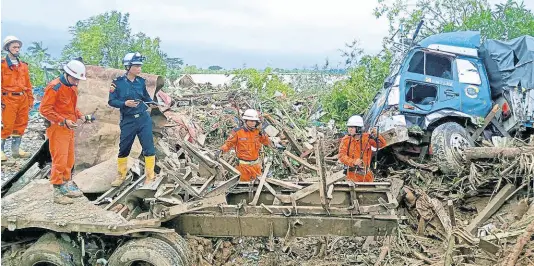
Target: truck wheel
x,y
145,251
178,243
447,144
49,250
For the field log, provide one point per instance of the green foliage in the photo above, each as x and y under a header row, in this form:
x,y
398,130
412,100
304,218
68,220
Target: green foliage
x,y
506,21
105,39
155,59
262,83
354,95
215,68
37,58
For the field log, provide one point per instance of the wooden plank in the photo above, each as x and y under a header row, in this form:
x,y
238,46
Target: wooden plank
x,y
488,246
280,197
224,187
228,167
312,188
284,184
300,160
487,120
292,141
330,192
322,172
196,205
491,208
260,186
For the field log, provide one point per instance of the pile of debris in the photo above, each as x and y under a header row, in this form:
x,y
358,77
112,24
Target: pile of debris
x,y
482,216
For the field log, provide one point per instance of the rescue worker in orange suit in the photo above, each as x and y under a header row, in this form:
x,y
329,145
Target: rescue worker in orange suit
x,y
247,142
129,94
17,97
59,107
356,150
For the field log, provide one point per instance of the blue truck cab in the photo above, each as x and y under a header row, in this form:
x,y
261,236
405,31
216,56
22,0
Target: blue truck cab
x,y
442,92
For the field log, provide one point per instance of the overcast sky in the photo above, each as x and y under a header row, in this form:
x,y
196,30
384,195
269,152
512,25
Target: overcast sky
x,y
231,33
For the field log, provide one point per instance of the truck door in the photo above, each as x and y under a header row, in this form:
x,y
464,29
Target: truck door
x,y
426,84
475,94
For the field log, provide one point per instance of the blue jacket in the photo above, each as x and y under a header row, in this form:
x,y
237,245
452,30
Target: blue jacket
x,y
122,89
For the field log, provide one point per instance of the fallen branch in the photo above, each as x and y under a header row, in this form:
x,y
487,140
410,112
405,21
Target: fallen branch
x,y
519,245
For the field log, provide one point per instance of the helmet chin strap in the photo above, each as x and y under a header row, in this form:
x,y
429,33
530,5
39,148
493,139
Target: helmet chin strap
x,y
67,79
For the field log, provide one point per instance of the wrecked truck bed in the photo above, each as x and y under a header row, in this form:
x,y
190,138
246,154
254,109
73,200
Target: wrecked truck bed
x,y
33,207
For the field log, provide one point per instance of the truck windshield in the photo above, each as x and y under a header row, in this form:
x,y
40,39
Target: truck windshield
x,y
431,64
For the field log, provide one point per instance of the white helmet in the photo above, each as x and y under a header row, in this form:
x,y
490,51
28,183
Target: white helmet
x,y
355,121
133,59
8,40
76,69
251,114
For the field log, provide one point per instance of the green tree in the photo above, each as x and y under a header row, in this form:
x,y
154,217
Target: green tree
x,y
215,68
506,21
104,40
155,59
38,60
264,83
355,94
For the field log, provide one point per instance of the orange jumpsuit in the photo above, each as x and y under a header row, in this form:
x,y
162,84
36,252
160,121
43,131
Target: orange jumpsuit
x,y
17,98
247,144
350,150
57,106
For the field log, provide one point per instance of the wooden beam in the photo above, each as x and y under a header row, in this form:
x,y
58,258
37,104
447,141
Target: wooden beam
x,y
300,160
322,172
292,141
224,187
192,206
487,120
260,186
283,184
491,208
312,188
228,167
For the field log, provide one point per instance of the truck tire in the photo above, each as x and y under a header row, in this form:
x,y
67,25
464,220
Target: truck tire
x,y
178,243
145,250
447,144
50,250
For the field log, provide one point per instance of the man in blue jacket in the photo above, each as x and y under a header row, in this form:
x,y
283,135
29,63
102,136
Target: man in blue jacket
x,y
129,94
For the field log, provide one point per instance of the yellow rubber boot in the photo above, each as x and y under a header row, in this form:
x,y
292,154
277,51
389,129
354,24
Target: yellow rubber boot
x,y
122,166
16,150
150,162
